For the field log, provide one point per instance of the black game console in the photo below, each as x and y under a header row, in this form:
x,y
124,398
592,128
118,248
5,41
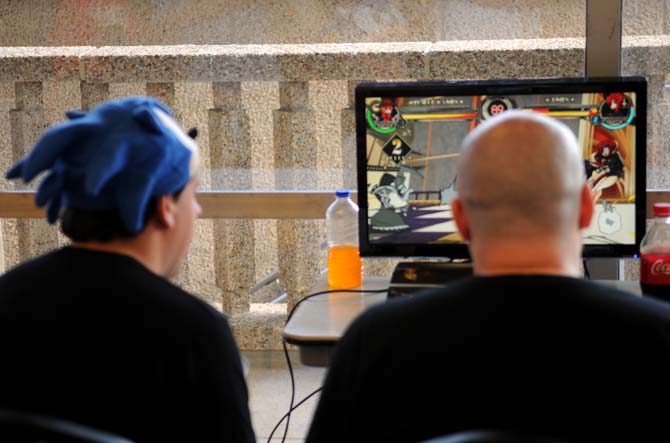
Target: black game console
x,y
410,277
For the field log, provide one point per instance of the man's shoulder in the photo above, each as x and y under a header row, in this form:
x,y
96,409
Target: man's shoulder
x,y
29,270
633,305
120,280
426,300
175,303
417,309
473,294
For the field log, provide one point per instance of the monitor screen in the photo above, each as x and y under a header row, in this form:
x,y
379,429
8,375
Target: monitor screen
x,y
409,138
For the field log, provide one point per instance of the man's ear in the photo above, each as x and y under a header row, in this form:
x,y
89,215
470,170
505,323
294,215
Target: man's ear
x,y
586,207
166,211
460,219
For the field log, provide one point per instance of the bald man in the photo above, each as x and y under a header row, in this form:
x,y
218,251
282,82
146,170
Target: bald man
x,y
522,191
525,344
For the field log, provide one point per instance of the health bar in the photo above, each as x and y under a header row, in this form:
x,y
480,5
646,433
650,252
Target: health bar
x,y
561,113
439,116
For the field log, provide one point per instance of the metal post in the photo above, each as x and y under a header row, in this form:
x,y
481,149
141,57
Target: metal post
x,y
603,38
603,59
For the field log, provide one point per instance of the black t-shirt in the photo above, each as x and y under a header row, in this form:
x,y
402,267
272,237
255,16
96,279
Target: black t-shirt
x,y
98,339
550,355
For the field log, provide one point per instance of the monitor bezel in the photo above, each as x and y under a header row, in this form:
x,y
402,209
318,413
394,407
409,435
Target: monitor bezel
x,y
637,84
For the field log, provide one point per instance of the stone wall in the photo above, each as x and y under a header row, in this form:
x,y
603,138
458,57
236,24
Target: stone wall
x,y
173,22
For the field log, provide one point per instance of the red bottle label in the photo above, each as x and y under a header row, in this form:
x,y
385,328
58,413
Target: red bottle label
x,y
655,269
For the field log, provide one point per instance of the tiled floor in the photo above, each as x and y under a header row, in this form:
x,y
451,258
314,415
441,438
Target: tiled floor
x,y
270,393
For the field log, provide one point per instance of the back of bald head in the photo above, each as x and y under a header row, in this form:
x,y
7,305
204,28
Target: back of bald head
x,y
521,174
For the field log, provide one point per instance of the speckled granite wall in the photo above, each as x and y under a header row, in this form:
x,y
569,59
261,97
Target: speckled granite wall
x,y
7,227
323,76
139,22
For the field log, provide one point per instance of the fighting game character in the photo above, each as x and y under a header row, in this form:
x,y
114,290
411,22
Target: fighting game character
x,y
617,104
388,110
449,193
393,196
386,114
605,168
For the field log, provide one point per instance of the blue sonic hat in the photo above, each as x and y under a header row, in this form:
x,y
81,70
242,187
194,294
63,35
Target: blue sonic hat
x,y
116,156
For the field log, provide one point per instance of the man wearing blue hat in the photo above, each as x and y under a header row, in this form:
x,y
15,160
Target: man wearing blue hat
x,y
94,332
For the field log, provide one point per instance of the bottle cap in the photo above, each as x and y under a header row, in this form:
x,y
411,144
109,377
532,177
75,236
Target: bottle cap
x,y
661,209
345,193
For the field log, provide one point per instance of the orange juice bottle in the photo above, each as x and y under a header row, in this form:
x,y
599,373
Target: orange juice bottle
x,y
345,267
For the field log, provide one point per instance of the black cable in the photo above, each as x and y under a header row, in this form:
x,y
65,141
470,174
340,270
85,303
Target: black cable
x,y
357,291
293,409
586,270
290,371
287,416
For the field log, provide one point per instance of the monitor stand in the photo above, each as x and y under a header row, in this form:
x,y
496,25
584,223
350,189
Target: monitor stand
x,y
412,276
604,268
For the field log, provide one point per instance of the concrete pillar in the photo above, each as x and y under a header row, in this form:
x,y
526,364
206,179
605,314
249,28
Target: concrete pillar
x,y
93,94
348,125
90,96
658,154
27,123
127,89
295,152
7,102
163,91
187,101
231,162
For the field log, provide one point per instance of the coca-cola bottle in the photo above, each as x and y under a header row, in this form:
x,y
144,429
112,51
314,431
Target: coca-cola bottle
x,y
655,255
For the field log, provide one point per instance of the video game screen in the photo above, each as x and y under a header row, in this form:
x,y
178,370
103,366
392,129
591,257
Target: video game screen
x,y
413,141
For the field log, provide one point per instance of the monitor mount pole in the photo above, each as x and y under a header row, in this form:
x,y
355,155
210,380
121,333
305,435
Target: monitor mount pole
x,y
603,38
603,59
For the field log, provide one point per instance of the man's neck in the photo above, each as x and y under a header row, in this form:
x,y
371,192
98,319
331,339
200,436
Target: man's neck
x,y
135,248
531,257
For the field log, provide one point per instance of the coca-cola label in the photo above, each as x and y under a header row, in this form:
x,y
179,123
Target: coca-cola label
x,y
655,269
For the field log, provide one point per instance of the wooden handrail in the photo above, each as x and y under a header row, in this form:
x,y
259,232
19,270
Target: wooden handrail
x,y
244,204
215,204
19,204
266,204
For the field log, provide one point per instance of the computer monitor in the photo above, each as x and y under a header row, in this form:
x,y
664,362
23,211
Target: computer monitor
x,y
409,137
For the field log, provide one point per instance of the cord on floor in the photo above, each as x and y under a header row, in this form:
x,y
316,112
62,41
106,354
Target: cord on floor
x,y
293,407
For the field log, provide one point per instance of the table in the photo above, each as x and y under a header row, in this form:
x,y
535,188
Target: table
x,y
318,323
632,286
